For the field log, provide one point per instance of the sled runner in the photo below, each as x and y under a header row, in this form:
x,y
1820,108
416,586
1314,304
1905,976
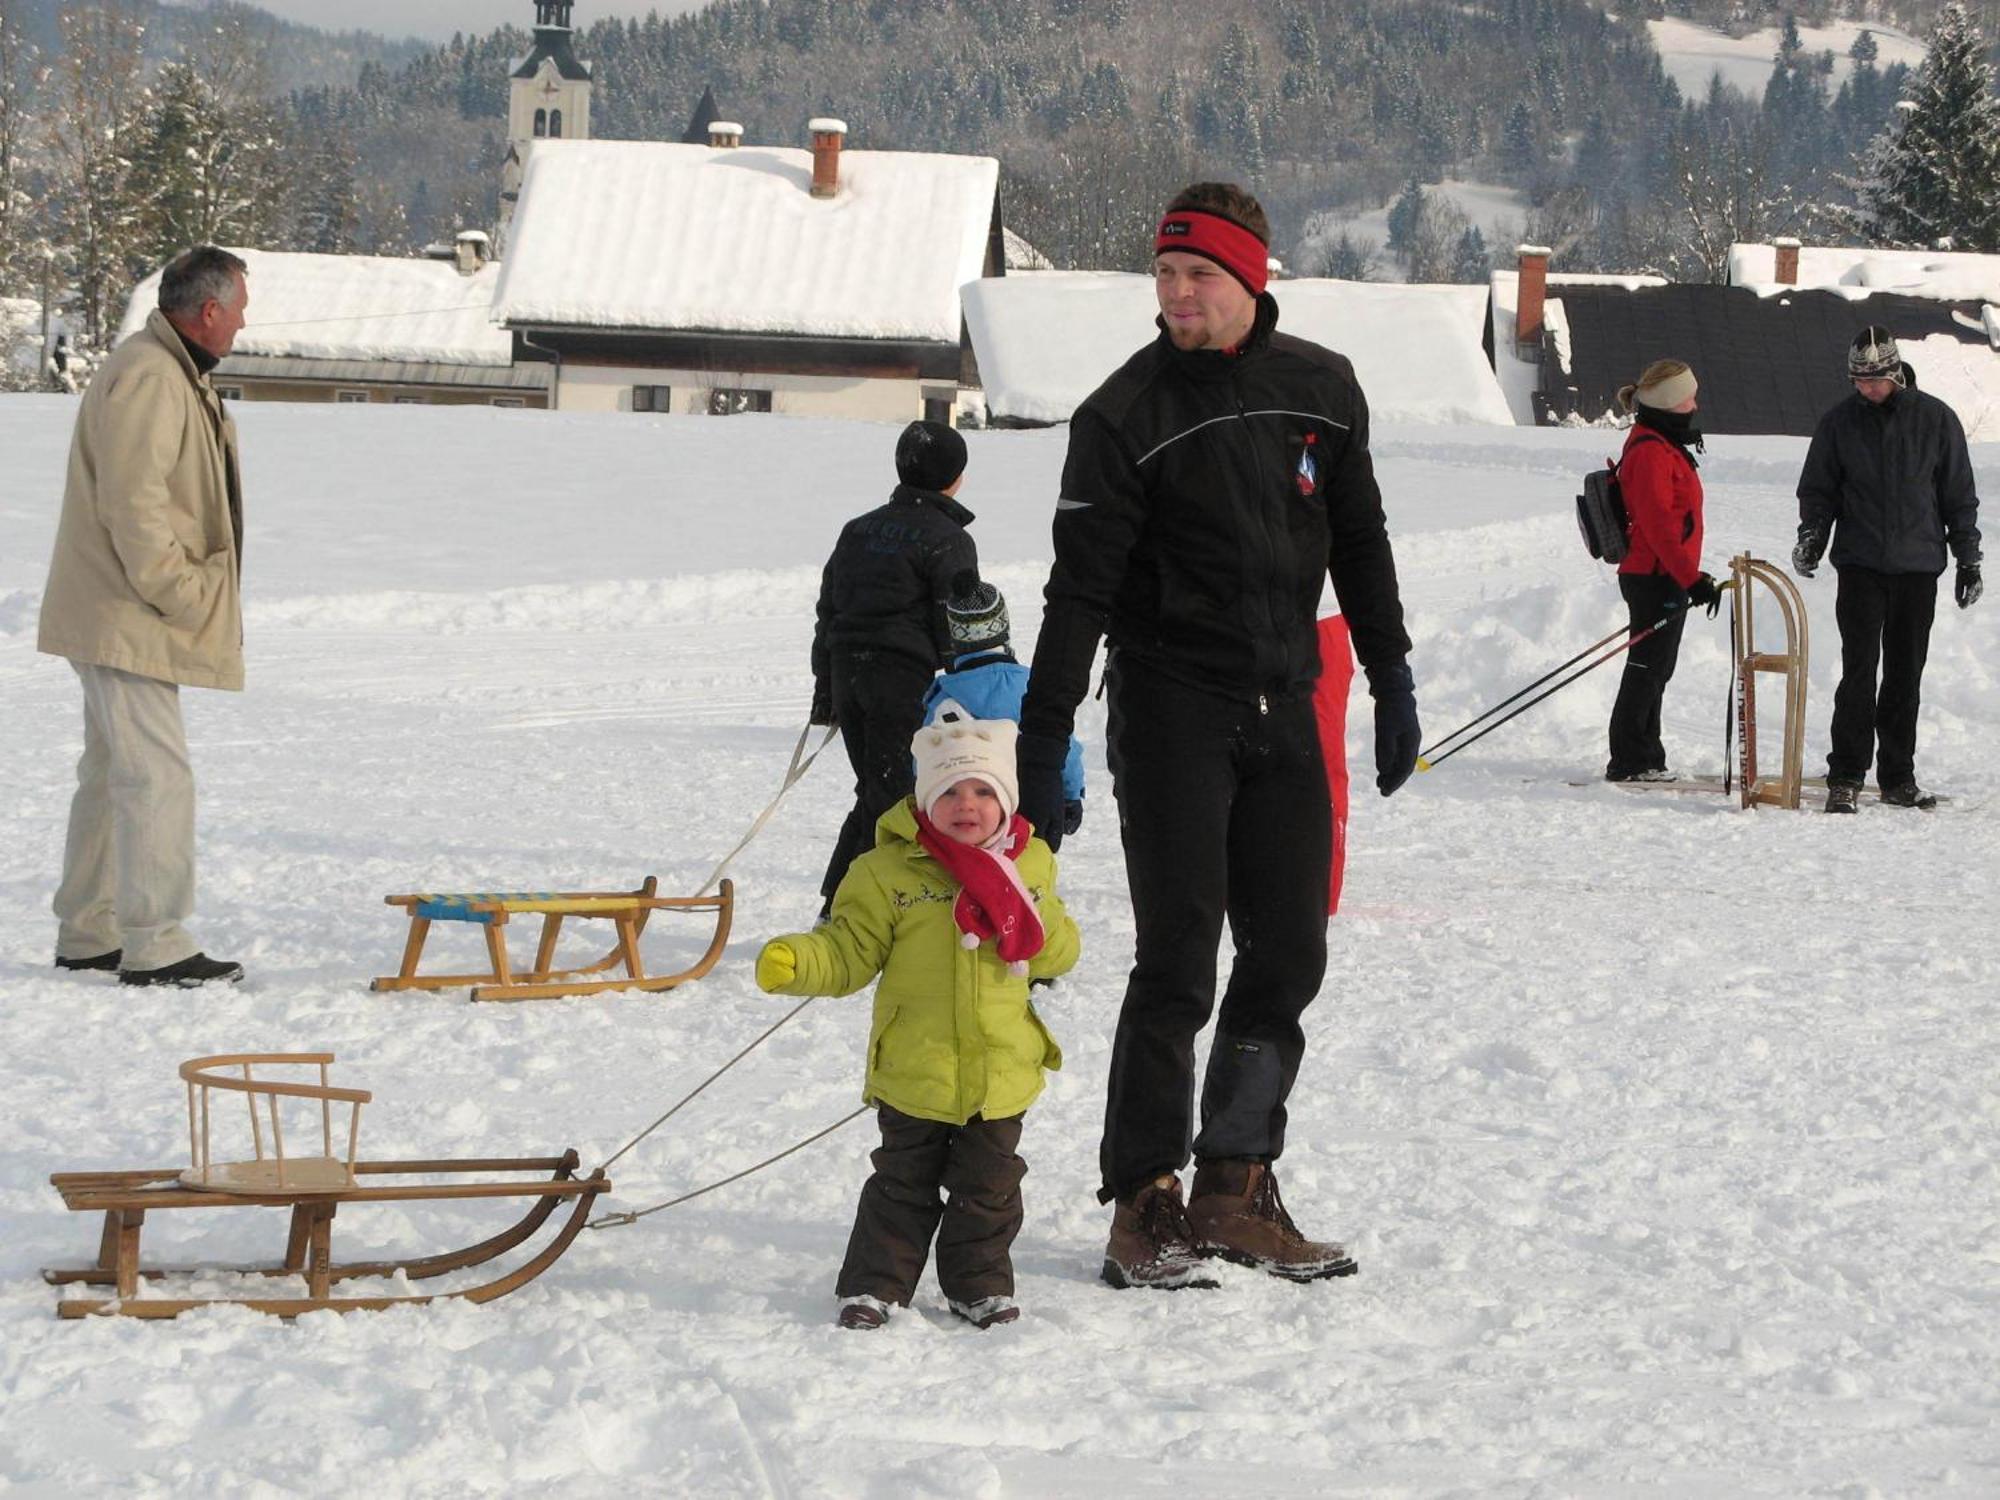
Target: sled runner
x,y
313,1188
626,910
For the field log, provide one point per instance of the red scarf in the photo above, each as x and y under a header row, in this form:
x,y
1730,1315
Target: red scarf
x,y
993,902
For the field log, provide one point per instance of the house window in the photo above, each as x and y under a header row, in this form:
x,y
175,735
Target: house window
x,y
555,123
541,122
230,392
938,409
727,402
510,400
410,401
652,398
351,397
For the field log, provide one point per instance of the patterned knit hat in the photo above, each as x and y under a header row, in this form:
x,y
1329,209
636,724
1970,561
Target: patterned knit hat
x,y
954,746
976,614
1874,356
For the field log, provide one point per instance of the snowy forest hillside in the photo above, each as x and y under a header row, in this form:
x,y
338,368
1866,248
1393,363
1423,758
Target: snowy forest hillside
x,y
127,130
1664,1132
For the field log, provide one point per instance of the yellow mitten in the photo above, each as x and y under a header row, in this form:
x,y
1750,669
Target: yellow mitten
x,y
777,966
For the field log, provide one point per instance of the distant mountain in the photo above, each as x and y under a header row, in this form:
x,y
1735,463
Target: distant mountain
x,y
298,56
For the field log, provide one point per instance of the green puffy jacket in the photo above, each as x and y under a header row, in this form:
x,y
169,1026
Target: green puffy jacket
x,y
954,1034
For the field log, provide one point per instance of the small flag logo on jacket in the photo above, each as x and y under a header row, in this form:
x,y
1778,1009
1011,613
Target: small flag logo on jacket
x,y
1307,473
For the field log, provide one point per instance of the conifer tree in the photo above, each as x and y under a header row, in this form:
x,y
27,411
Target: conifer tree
x,y
1934,175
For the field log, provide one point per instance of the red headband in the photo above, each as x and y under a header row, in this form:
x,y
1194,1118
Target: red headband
x,y
1228,244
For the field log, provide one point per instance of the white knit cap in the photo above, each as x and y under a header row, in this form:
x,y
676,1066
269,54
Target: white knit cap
x,y
955,745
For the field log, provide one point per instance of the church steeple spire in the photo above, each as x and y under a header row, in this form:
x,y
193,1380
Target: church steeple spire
x,y
549,97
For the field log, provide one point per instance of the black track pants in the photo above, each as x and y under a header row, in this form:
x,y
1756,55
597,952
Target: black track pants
x,y
1224,812
1885,621
878,700
978,1164
1649,667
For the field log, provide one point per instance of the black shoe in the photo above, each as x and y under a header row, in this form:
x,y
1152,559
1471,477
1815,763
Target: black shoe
x,y
1843,796
1651,774
102,961
189,972
1909,794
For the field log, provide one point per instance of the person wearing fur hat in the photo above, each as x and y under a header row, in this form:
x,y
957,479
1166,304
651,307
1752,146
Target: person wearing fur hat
x,y
880,630
1887,479
1661,576
955,908
988,682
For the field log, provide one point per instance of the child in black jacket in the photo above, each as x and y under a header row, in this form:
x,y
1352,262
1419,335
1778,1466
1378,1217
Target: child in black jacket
x,y
881,630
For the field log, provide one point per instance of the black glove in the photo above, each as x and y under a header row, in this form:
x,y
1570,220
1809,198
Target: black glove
x,y
1397,733
1967,588
822,706
1806,555
1039,762
1072,816
1704,594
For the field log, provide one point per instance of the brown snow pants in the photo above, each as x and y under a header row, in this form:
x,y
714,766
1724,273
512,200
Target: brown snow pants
x,y
900,1210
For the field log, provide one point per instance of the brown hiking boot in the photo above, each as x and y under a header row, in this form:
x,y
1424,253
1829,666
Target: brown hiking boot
x,y
1152,1245
1236,1213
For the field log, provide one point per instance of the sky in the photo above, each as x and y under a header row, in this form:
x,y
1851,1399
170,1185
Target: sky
x,y
436,20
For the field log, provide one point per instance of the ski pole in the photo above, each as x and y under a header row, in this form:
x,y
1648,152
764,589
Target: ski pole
x,y
1425,764
1422,765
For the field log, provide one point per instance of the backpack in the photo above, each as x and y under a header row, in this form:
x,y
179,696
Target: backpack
x,y
1600,515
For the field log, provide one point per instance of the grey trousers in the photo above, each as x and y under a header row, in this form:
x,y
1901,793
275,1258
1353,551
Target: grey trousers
x,y
128,865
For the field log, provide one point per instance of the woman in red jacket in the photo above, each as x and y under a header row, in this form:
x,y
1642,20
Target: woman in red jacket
x,y
1661,577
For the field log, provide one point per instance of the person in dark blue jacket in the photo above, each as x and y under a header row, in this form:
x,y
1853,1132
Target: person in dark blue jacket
x,y
986,680
1889,480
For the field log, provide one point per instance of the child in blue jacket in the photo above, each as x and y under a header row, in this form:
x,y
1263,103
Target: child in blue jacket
x,y
985,679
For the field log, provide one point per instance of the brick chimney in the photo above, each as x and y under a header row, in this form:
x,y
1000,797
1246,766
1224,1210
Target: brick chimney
x,y
826,136
1531,291
725,135
1787,250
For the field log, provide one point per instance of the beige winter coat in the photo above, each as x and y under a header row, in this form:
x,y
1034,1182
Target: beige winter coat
x,y
145,572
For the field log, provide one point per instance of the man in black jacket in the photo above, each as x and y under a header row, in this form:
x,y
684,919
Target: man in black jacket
x,y
881,632
1211,486
1889,478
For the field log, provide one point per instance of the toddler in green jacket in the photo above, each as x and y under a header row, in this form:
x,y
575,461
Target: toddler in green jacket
x,y
956,909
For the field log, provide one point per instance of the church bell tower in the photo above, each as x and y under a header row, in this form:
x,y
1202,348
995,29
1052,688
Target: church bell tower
x,y
548,98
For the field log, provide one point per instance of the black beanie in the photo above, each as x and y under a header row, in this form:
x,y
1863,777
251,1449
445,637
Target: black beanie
x,y
929,455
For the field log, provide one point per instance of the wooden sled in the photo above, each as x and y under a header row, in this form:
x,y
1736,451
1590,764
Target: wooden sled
x,y
626,910
313,1188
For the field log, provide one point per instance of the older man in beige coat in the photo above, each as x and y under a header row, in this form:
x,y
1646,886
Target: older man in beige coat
x,y
143,598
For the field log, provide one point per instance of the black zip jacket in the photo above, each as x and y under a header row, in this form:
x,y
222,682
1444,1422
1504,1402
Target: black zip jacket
x,y
1894,484
884,588
1205,499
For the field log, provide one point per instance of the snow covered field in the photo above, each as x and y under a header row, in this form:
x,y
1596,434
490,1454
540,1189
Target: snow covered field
x,y
1664,1132
1693,54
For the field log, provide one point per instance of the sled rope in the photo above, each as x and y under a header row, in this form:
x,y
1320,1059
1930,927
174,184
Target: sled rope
x,y
801,763
689,1097
613,1221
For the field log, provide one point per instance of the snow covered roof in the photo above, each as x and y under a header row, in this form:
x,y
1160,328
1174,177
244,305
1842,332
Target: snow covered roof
x,y
1947,276
1045,340
359,307
1518,378
642,234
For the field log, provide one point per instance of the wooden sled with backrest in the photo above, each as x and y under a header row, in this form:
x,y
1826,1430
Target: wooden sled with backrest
x,y
627,911
313,1188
